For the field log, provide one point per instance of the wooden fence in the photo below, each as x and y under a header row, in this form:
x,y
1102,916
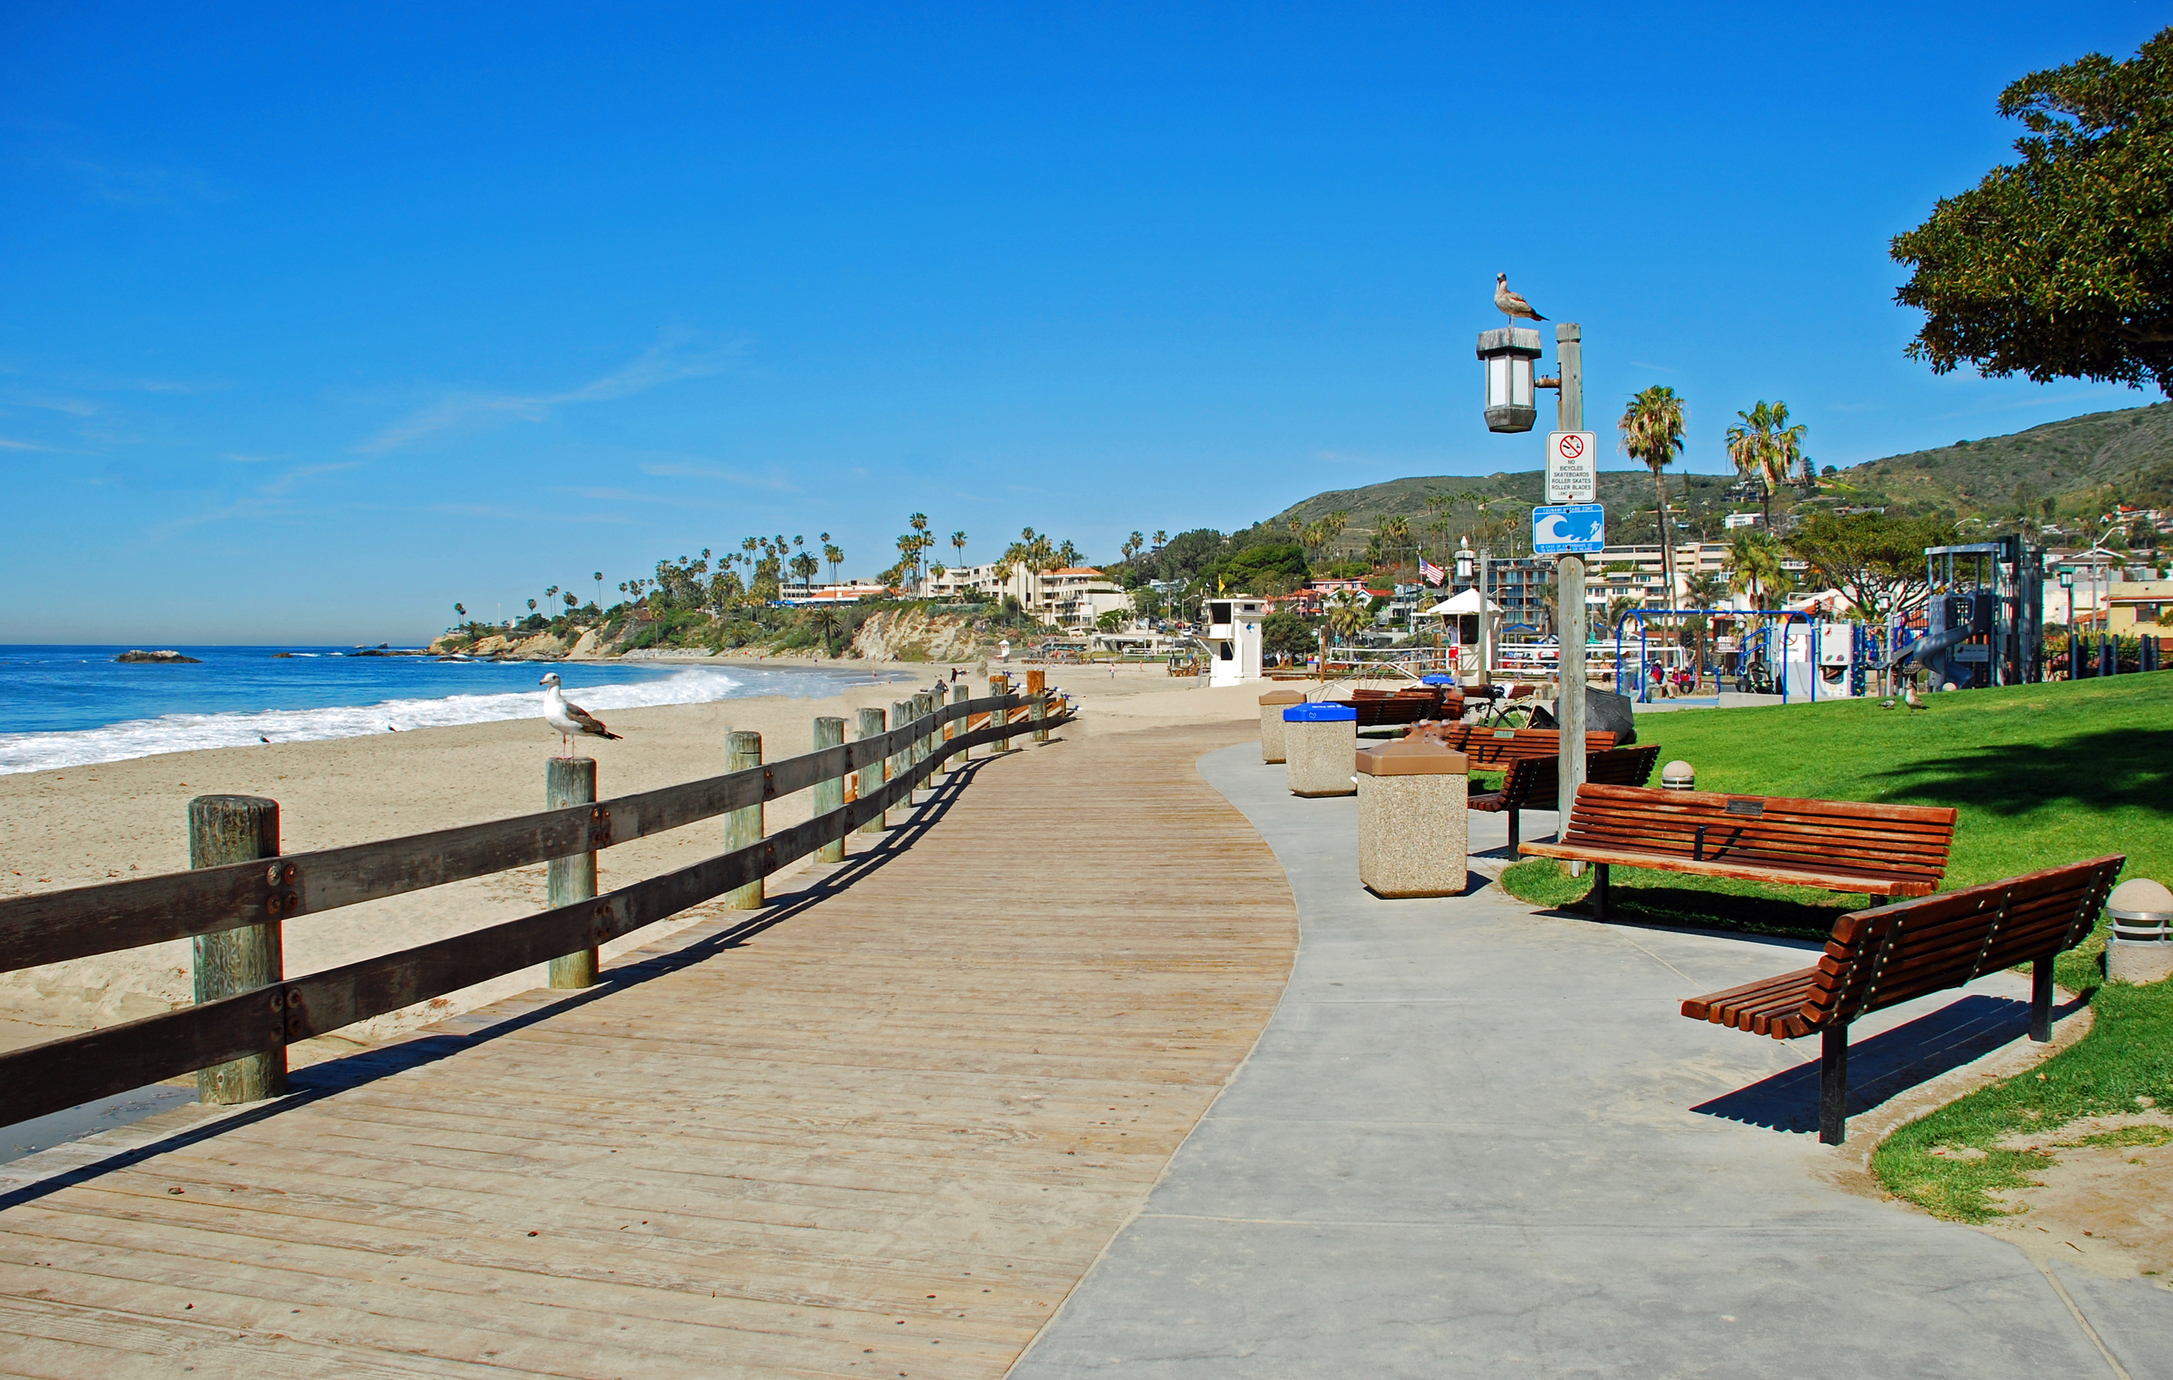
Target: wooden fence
x,y
83,921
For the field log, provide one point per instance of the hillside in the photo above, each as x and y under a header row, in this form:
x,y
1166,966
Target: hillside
x,y
2083,465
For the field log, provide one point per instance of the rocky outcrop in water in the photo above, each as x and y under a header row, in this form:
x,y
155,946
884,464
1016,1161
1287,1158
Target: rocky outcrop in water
x,y
161,658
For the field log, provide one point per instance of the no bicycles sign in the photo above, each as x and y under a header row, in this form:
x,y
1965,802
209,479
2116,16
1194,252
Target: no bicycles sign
x,y
1572,467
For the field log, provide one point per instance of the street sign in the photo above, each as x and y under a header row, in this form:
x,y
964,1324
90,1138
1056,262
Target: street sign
x,y
1573,459
1568,529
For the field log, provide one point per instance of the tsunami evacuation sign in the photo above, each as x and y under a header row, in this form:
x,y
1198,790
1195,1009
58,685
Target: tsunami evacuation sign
x,y
1573,461
1568,529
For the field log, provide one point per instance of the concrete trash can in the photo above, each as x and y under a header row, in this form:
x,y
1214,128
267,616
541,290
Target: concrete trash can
x,y
1318,742
1272,705
2141,947
1413,819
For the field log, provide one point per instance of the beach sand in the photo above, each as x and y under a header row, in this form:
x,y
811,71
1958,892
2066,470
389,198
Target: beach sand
x,y
80,825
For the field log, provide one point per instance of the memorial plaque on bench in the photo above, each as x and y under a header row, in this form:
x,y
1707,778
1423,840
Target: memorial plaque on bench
x,y
1753,808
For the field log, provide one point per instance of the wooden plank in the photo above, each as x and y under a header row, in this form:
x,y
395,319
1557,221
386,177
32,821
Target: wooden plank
x,y
44,1078
962,1072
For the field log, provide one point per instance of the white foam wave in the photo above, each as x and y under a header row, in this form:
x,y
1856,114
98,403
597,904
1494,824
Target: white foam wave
x,y
20,752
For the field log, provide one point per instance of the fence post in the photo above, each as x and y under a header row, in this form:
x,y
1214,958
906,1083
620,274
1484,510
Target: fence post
x,y
901,761
1000,716
570,781
830,791
230,829
743,827
960,694
917,753
872,775
1040,713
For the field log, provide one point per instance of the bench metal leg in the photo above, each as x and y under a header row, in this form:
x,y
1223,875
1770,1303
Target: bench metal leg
x,y
1599,891
1833,1085
1516,818
2041,999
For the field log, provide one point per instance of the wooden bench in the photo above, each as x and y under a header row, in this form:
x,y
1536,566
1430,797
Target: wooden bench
x,y
1493,749
1378,707
1890,954
1838,845
1534,783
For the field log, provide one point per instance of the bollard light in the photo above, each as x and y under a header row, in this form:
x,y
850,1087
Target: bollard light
x,y
1509,352
1678,776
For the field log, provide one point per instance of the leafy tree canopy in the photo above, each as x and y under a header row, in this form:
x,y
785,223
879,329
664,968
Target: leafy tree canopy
x,y
1878,561
1255,563
2060,266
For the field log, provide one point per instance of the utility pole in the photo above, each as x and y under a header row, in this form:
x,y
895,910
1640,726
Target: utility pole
x,y
1569,704
1486,620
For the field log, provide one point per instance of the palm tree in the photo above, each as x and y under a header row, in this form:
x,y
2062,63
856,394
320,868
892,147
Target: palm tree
x,y
1786,454
1702,592
1161,538
1749,442
805,565
834,554
1652,431
1396,536
598,577
1133,545
1754,566
958,544
1067,555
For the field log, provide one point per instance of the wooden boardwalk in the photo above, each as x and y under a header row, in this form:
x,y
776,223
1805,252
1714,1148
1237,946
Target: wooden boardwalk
x,y
881,1133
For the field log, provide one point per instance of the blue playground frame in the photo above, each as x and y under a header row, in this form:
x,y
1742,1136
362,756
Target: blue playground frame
x,y
1766,617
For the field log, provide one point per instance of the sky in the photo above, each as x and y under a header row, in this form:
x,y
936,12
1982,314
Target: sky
x,y
317,319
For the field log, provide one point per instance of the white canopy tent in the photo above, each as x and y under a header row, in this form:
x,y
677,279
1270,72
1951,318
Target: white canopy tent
x,y
1461,605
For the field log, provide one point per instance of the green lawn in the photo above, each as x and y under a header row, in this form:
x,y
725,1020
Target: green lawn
x,y
2041,775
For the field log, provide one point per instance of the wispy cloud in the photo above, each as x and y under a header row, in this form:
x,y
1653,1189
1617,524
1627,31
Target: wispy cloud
x,y
139,186
2108,391
9,443
677,470
677,354
47,402
271,499
1659,368
478,510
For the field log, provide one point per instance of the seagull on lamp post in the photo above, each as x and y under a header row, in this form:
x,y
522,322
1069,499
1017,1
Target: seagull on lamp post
x,y
568,718
1512,304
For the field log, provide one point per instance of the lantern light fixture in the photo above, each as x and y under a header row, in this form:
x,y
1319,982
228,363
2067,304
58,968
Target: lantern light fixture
x,y
1509,353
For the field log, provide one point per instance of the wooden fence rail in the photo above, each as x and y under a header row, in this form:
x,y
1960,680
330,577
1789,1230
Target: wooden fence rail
x,y
100,919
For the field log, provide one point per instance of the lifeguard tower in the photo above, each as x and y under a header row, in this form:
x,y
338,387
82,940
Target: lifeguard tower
x,y
1233,639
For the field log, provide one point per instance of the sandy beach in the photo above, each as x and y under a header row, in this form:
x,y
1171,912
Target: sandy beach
x,y
81,825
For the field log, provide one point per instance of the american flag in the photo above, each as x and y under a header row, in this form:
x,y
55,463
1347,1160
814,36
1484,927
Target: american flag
x,y
1432,574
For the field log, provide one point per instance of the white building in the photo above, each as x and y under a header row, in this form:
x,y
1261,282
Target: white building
x,y
1072,597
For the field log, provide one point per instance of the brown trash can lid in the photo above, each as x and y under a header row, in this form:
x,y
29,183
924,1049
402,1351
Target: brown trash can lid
x,y
1413,757
1283,697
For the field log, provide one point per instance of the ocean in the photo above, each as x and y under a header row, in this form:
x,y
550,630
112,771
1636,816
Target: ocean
x,y
71,706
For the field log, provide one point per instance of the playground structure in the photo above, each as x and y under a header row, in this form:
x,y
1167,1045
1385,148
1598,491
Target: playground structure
x,y
1787,652
1985,618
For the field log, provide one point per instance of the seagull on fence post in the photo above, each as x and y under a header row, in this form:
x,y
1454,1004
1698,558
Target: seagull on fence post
x,y
1511,304
568,718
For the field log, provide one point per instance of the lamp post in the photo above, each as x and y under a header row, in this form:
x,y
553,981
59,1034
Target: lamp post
x,y
1509,354
2074,649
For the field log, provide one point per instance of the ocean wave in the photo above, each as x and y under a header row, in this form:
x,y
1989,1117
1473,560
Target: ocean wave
x,y
20,752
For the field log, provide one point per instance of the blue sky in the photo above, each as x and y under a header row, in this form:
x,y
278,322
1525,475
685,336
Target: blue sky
x,y
312,323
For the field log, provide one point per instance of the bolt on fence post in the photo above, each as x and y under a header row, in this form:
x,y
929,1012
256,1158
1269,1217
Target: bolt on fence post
x,y
871,774
1000,716
570,781
231,829
743,827
830,791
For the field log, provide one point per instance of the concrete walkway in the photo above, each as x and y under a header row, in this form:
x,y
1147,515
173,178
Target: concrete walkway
x,y
1476,1141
